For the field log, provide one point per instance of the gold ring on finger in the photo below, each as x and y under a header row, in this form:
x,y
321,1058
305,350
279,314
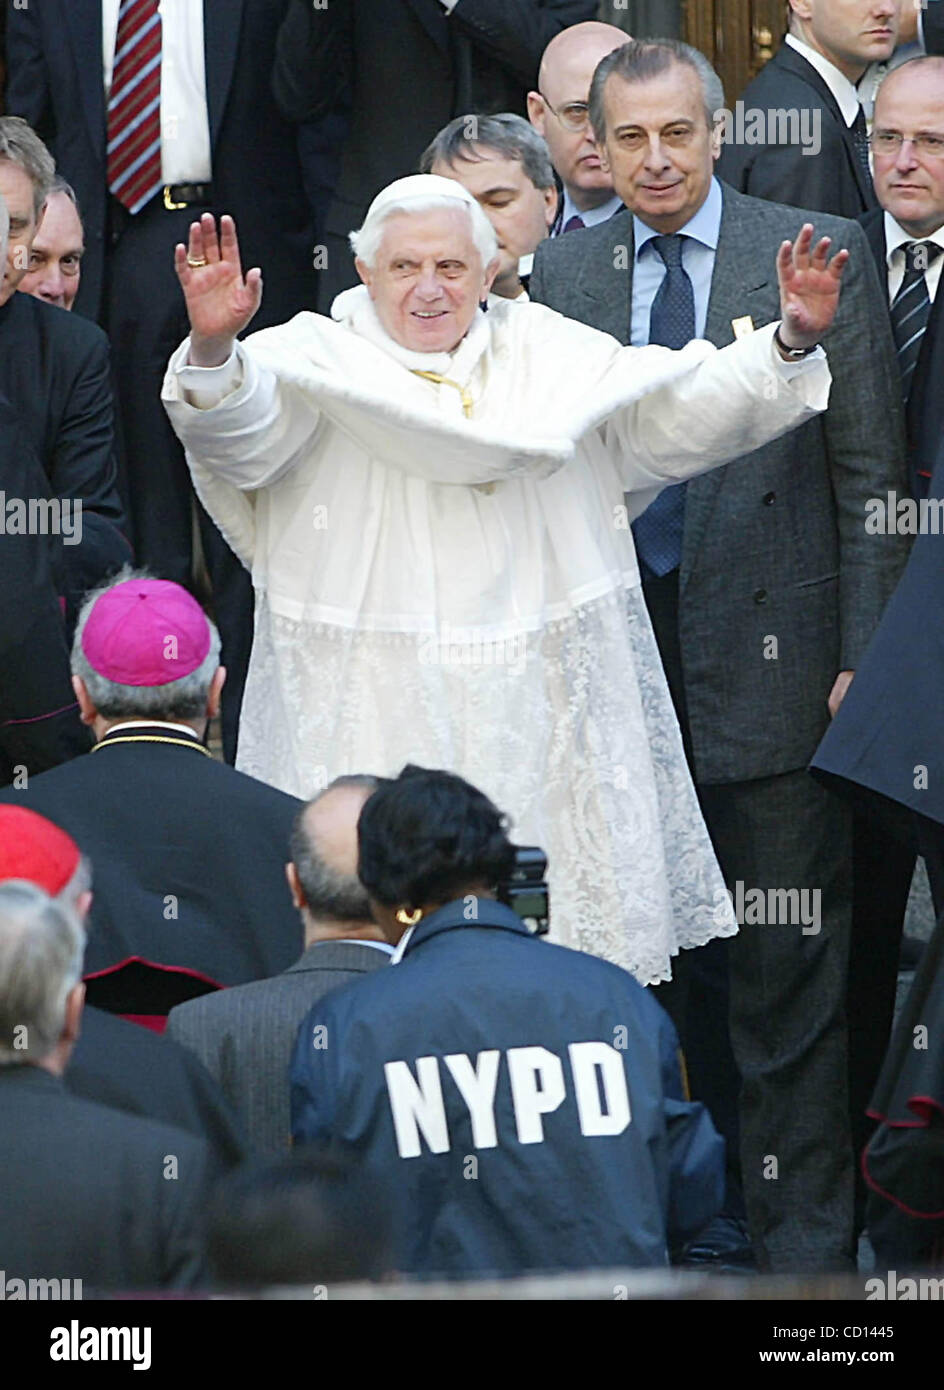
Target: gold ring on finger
x,y
196,264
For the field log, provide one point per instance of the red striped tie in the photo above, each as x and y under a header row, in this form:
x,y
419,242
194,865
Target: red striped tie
x,y
134,106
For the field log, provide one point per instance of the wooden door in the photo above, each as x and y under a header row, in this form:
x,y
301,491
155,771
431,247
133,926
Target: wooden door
x,y
737,35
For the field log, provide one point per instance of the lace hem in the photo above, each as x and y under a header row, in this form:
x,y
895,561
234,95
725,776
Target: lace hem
x,y
571,730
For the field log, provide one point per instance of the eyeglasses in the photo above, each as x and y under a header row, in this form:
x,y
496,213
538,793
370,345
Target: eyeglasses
x,y
926,143
574,116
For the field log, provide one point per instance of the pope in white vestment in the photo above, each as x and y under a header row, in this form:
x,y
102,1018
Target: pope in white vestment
x,y
443,566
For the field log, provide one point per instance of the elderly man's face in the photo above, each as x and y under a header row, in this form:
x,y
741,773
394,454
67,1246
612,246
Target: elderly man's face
x,y
56,257
520,213
16,187
428,278
850,33
909,183
659,147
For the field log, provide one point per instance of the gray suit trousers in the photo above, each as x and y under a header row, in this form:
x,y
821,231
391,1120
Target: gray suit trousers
x,y
787,1012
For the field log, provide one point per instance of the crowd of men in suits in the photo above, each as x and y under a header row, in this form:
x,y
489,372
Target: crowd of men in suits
x,y
790,632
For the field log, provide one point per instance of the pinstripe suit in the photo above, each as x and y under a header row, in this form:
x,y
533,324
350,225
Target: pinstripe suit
x,y
244,1036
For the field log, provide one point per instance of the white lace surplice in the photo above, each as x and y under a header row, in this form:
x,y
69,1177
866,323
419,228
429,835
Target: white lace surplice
x,y
471,600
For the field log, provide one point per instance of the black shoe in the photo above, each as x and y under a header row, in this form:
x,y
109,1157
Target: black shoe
x,y
724,1246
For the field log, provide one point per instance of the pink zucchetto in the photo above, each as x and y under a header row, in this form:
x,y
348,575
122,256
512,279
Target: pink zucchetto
x,y
146,632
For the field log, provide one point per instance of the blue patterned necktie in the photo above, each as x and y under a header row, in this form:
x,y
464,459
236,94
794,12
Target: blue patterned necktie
x,y
658,532
911,309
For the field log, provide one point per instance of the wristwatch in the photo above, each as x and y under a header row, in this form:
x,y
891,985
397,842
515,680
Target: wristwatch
x,y
792,354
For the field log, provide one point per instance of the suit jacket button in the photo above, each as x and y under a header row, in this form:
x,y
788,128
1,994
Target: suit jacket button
x,y
769,499
760,595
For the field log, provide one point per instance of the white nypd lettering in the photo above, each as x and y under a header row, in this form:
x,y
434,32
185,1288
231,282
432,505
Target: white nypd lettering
x,y
536,1078
537,1088
477,1088
417,1106
585,1059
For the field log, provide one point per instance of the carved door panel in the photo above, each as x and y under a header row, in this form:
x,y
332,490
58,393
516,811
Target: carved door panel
x,y
737,35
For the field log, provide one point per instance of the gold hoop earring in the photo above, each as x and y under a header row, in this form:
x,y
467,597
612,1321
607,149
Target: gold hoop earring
x,y
408,919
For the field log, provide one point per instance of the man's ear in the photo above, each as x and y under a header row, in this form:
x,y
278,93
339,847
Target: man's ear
x,y
536,111
551,199
87,710
366,274
72,1024
295,886
601,151
491,270
215,691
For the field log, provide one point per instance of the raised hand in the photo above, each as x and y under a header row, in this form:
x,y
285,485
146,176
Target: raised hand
x,y
809,288
220,303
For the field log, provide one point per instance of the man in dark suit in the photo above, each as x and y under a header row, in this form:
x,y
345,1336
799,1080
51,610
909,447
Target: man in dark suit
x,y
114,1062
88,1193
763,590
39,717
449,56
814,72
245,1036
54,370
212,139
188,853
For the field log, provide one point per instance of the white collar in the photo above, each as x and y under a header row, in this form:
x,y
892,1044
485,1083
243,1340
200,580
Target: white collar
x,y
355,308
164,723
592,216
896,237
845,92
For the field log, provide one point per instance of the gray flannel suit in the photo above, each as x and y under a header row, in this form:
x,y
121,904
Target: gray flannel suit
x,y
244,1036
775,546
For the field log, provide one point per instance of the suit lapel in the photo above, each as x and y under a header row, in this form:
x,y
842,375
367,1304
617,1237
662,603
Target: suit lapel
x,y
606,276
84,20
740,284
432,16
873,224
222,21
798,65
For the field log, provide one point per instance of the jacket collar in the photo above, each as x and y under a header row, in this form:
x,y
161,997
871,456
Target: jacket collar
x,y
138,731
321,955
453,915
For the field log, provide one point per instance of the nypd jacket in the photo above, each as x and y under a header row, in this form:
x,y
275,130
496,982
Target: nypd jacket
x,y
523,1102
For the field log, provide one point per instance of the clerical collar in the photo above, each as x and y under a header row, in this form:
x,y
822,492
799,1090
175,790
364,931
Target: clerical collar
x,y
152,731
845,92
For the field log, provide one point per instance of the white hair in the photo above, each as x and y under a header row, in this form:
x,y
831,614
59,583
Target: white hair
x,y
41,948
365,242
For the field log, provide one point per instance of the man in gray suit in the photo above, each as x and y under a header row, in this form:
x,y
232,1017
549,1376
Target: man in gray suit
x,y
764,589
244,1036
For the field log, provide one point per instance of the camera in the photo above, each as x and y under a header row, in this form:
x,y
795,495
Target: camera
x,y
525,888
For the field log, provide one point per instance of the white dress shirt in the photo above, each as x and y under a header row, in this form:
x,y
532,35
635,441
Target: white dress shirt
x,y
185,120
845,92
592,216
895,238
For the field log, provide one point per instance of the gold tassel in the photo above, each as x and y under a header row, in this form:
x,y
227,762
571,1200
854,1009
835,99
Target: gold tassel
x,y
446,381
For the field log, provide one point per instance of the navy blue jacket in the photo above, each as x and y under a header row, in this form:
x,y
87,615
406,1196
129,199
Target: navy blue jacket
x,y
578,1150
888,727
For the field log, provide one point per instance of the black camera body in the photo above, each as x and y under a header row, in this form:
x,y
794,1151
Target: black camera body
x,y
525,889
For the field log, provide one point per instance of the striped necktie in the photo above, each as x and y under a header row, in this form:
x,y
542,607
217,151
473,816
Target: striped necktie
x,y
911,309
658,531
134,106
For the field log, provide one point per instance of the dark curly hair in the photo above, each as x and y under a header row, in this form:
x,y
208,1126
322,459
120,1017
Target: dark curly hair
x,y
427,835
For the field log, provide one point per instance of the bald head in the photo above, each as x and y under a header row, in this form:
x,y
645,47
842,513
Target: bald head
x,y
573,52
907,126
323,872
558,109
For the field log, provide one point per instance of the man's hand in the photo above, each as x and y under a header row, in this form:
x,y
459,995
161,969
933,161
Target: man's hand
x,y
838,692
809,288
220,302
